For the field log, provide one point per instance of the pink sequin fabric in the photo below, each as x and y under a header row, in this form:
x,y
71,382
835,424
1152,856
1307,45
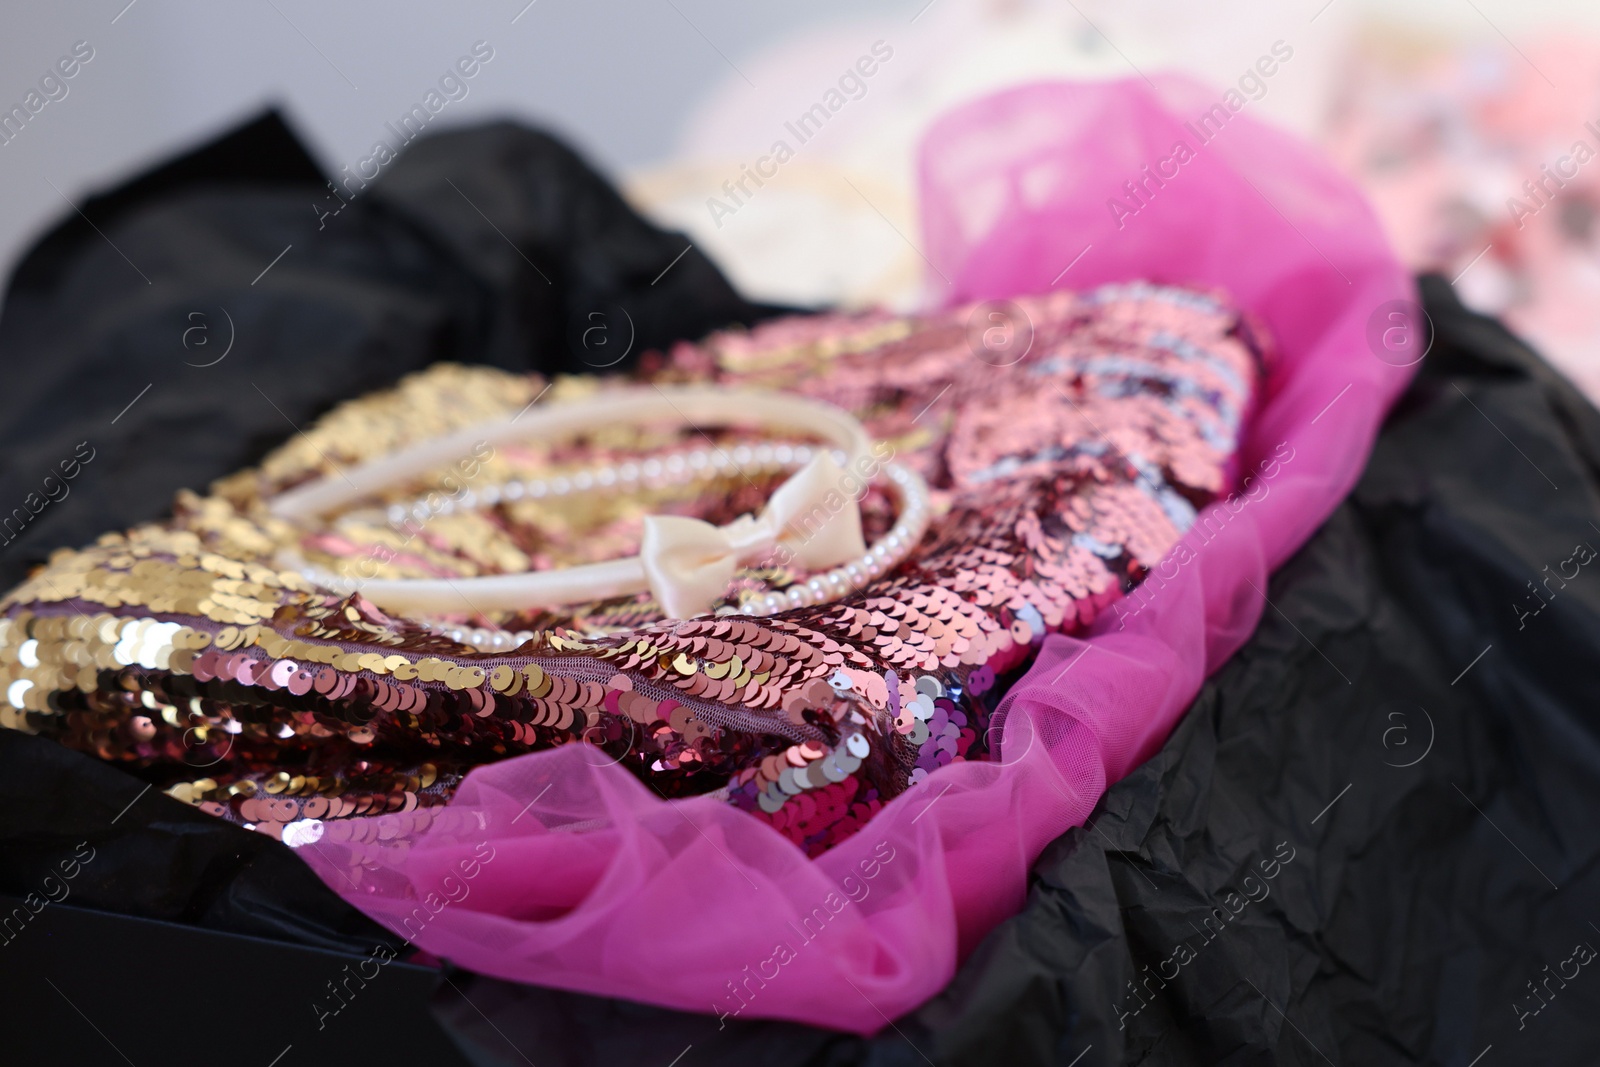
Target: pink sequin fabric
x,y
560,868
1068,440
1070,451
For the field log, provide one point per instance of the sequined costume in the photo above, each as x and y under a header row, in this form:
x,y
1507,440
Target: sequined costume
x,y
1065,459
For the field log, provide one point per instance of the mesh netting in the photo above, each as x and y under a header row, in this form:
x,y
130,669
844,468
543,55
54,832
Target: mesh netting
x,y
696,905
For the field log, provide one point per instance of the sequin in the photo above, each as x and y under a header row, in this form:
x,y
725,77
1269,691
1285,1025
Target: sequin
x,y
1058,482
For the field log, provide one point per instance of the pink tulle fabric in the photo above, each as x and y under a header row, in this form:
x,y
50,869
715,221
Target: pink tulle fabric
x,y
554,871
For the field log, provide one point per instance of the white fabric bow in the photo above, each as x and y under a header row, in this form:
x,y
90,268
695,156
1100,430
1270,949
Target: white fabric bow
x,y
689,563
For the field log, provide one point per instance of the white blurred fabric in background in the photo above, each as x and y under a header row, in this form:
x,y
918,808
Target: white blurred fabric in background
x,y
677,99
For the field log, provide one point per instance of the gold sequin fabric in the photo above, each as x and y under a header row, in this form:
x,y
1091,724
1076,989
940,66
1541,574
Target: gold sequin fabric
x,y
1061,473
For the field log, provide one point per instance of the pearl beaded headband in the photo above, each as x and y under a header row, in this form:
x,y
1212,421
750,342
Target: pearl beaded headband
x,y
685,563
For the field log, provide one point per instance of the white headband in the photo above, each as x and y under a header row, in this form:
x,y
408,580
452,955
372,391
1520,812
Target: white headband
x,y
685,563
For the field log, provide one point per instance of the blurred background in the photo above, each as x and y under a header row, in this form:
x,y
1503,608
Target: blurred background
x,y
1462,118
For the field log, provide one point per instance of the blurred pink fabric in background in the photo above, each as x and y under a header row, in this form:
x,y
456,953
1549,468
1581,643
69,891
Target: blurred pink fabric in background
x,y
1471,155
